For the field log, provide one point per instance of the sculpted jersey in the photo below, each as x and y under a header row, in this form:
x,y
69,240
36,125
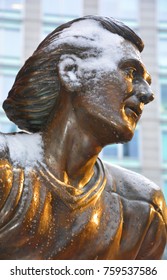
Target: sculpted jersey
x,y
117,215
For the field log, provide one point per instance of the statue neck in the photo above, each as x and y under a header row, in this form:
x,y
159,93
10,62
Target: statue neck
x,y
70,152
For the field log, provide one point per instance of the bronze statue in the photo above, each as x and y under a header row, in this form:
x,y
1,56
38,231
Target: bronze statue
x,y
83,88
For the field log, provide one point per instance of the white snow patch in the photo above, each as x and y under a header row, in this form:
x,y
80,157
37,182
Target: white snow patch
x,y
90,33
2,142
26,150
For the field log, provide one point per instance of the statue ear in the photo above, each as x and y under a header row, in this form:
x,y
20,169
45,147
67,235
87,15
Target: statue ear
x,y
69,73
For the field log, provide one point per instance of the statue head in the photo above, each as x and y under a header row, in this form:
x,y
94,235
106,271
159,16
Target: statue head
x,y
37,88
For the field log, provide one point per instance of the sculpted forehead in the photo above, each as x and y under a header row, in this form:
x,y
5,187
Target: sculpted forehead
x,y
92,30
129,50
112,47
89,33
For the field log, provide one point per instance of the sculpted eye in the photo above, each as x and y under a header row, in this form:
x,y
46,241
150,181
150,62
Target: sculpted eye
x,y
130,72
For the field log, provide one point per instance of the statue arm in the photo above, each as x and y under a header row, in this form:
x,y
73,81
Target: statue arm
x,y
6,175
6,178
155,238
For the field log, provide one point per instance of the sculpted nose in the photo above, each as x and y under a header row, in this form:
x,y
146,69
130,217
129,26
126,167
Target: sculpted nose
x,y
144,93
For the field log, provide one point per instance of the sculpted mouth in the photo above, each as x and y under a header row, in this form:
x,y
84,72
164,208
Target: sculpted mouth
x,y
134,111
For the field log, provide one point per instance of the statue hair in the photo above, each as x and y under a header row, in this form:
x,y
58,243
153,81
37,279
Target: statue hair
x,y
36,90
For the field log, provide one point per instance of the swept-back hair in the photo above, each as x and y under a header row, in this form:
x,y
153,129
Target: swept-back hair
x,y
36,89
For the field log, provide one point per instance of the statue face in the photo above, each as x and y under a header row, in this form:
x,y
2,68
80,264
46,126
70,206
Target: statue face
x,y
113,95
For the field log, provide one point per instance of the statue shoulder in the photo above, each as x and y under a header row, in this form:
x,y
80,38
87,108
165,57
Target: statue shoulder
x,y
129,183
139,194
21,149
6,172
133,186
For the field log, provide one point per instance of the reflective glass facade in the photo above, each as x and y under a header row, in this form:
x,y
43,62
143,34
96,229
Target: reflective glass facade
x,y
119,9
11,23
162,61
62,7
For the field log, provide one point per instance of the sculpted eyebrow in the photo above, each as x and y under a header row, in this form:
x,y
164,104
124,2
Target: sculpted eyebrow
x,y
139,67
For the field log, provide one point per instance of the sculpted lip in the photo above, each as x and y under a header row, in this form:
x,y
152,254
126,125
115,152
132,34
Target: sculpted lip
x,y
134,110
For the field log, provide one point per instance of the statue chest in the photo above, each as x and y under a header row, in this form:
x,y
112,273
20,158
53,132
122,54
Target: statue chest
x,y
41,224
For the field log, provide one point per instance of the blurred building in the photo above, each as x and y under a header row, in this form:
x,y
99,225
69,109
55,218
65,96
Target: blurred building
x,y
24,23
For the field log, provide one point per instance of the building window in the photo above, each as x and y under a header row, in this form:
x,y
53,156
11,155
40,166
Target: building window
x,y
110,152
164,146
6,84
58,12
162,52
164,98
11,4
131,149
10,42
121,152
119,9
162,10
7,127
62,7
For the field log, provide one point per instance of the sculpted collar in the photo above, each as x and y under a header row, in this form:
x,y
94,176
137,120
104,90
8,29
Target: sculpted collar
x,y
76,198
